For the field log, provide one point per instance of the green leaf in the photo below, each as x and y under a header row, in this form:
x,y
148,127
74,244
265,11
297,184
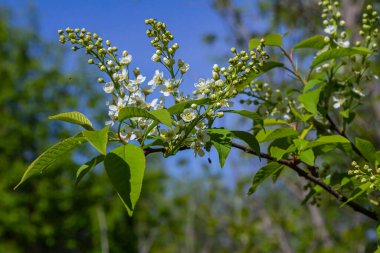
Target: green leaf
x,y
160,115
316,42
358,192
331,139
263,173
303,117
249,138
98,139
253,75
366,148
272,122
87,167
277,152
310,100
274,40
311,84
221,140
180,107
75,118
51,155
308,157
125,167
248,114
338,53
269,135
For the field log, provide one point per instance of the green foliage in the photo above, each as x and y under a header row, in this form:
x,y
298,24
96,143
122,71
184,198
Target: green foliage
x,y
263,173
315,42
125,167
75,118
98,139
222,141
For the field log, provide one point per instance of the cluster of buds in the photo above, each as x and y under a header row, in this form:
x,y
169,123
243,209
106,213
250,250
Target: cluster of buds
x,y
369,28
366,174
161,38
334,24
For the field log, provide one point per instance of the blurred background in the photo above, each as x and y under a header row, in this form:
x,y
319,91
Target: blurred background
x,y
187,204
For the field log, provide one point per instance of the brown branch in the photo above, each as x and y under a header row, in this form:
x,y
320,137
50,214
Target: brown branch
x,y
291,164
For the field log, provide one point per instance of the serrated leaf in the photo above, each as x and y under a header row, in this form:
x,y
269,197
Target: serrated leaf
x,y
248,114
310,100
263,173
331,139
98,139
180,107
269,135
160,115
125,167
50,156
253,75
316,42
87,167
338,53
222,141
308,157
366,148
75,118
248,138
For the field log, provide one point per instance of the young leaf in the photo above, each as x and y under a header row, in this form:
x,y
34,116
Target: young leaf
x,y
274,40
263,173
366,148
87,167
125,167
221,140
248,114
158,115
310,100
277,152
311,84
308,157
316,42
98,139
331,139
269,135
272,122
338,53
75,118
249,138
51,155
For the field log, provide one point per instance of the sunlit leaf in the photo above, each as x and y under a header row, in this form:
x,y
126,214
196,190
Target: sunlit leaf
x,y
51,155
98,139
87,167
222,141
125,167
161,115
316,42
75,118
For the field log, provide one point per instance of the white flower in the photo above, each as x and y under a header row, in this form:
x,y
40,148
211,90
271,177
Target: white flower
x,y
140,79
127,133
338,102
202,85
330,29
188,115
156,58
156,103
358,91
197,147
114,109
158,78
202,136
169,134
125,60
184,68
343,43
226,103
169,87
109,87
137,98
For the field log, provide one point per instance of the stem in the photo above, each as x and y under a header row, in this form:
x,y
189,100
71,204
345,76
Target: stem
x,y
295,71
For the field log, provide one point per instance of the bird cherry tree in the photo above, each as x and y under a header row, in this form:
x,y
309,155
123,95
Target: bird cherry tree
x,y
292,129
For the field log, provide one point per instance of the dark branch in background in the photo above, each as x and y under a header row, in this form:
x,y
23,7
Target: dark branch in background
x,y
294,166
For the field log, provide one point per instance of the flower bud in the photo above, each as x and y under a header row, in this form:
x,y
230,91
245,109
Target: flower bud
x,y
90,61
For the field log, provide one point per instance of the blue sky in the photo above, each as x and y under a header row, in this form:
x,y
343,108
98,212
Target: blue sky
x,y
122,22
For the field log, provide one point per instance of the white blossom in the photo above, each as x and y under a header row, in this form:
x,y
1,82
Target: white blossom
x,y
189,114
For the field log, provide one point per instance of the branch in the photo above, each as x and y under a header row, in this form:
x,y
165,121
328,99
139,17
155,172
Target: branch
x,y
310,177
293,164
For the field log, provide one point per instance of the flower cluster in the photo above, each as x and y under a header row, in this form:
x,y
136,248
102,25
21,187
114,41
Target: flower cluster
x,y
334,24
365,174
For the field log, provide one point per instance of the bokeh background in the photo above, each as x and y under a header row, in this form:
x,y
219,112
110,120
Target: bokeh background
x,y
187,204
